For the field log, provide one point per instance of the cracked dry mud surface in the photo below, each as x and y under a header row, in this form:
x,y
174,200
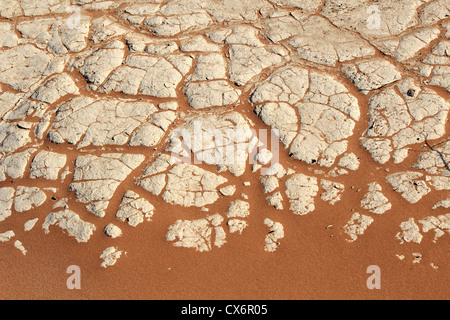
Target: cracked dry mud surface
x,y
276,148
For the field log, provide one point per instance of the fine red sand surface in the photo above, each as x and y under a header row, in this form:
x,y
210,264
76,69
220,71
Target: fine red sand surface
x,y
314,260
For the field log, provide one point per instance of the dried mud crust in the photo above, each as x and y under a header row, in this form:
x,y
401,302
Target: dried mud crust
x,y
111,106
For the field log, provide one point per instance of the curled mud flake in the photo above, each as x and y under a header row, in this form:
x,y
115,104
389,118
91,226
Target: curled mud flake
x,y
409,185
14,136
281,28
236,225
439,182
47,165
417,257
145,75
86,122
372,74
18,244
210,66
301,190
141,9
264,156
380,149
98,208
134,209
325,116
6,202
238,209
280,116
440,77
59,86
332,191
217,93
101,63
270,183
442,204
189,185
198,43
166,26
287,85
228,190
104,29
27,198
439,224
410,232
374,200
386,18
225,140
15,165
410,44
349,161
62,203
197,233
6,236
397,120
70,221
23,67
90,89
276,200
400,256
97,177
152,178
247,62
30,224
276,232
112,231
8,37
436,160
154,184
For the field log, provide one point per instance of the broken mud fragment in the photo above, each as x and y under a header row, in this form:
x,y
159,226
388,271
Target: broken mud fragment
x,y
70,221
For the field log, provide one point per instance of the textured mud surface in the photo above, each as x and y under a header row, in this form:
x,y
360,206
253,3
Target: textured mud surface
x,y
224,149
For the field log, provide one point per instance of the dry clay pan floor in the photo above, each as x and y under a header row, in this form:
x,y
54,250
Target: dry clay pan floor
x,y
206,149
